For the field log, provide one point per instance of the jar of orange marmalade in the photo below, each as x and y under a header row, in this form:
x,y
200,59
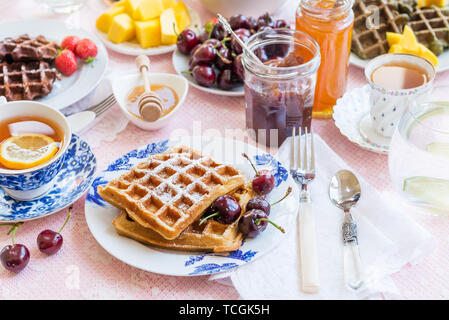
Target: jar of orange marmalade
x,y
330,22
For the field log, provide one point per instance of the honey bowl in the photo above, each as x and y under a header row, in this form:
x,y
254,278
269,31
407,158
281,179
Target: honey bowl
x,y
26,181
171,88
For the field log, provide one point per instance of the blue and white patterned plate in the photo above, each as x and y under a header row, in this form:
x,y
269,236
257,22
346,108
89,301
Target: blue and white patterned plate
x,y
99,214
75,177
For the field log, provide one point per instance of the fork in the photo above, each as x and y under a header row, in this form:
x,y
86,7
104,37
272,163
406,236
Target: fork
x,y
303,172
81,120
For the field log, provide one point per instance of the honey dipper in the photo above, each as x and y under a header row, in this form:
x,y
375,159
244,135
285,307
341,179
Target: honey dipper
x,y
150,105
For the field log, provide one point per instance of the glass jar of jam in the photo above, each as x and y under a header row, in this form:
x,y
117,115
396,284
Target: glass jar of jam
x,y
330,23
279,89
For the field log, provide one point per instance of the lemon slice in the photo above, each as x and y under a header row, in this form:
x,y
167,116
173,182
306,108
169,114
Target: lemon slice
x,y
439,148
27,151
432,191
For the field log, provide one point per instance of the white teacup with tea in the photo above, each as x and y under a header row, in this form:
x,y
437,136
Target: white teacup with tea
x,y
395,80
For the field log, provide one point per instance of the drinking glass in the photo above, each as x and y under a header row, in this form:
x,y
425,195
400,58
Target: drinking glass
x,y
419,153
62,6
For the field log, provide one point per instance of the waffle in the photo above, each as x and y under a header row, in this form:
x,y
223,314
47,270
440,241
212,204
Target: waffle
x,y
431,27
169,191
26,80
24,48
368,41
210,236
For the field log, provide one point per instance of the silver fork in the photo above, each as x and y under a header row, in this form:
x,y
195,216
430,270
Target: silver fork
x,y
303,172
81,120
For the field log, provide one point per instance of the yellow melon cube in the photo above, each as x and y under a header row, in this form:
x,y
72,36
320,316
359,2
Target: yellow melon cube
x,y
393,38
104,21
168,3
427,54
148,33
148,9
182,16
168,27
408,41
396,48
122,29
131,6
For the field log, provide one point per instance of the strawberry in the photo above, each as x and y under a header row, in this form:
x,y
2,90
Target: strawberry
x,y
66,62
70,43
86,50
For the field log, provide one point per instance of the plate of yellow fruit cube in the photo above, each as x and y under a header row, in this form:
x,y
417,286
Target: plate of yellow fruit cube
x,y
148,27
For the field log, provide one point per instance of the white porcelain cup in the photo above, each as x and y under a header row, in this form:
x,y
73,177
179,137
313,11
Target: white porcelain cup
x,y
33,183
388,106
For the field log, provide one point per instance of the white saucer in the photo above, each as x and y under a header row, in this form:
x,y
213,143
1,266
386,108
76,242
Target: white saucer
x,y
351,116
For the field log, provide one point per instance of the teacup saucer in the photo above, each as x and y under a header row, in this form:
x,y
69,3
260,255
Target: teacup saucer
x,y
76,176
351,116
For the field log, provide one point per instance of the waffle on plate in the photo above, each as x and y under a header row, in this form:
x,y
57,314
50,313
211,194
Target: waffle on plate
x,y
431,27
169,191
26,80
209,236
369,41
25,48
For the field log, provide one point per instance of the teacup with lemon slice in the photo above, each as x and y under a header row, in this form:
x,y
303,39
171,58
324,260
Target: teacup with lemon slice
x,y
33,141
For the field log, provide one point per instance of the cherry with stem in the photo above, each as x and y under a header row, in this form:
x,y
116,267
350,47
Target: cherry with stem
x,y
263,182
14,257
49,241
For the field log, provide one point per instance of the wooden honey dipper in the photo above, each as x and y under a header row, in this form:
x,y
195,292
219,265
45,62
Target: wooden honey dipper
x,y
150,105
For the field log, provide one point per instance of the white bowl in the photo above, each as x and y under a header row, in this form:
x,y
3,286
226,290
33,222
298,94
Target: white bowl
x,y
122,86
250,8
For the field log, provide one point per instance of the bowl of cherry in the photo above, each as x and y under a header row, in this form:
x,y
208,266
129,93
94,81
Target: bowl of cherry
x,y
211,60
255,218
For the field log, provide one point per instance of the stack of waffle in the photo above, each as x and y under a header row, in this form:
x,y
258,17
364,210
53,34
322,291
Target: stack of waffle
x,y
25,67
374,18
163,198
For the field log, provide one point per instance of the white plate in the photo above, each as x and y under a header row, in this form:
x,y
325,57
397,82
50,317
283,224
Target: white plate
x,y
349,111
181,64
99,215
134,49
70,89
443,63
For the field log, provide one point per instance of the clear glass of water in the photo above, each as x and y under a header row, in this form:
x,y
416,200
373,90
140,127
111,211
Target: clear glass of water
x,y
419,153
62,6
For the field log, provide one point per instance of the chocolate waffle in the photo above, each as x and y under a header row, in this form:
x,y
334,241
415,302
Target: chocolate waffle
x,y
25,48
369,41
431,27
169,191
26,80
211,236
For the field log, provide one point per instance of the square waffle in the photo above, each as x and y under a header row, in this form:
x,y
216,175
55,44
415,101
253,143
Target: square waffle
x,y
431,27
211,236
370,41
26,80
169,191
25,48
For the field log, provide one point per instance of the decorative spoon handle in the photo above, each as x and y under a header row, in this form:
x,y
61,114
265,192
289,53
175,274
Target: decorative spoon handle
x,y
351,255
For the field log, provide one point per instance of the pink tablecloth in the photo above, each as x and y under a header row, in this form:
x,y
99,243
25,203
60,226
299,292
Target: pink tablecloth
x,y
83,269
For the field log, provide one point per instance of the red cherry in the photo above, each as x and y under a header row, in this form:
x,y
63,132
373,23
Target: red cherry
x,y
263,182
49,241
15,257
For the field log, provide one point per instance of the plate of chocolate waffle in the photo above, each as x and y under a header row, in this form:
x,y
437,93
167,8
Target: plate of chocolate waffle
x,y
374,18
183,206
28,49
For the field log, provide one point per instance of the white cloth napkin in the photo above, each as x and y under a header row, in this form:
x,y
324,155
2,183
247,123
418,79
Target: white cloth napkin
x,y
388,239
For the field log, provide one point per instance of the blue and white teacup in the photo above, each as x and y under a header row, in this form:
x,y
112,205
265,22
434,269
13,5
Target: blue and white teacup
x,y
33,183
387,105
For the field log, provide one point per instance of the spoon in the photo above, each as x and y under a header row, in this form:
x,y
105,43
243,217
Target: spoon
x,y
150,105
344,192
228,29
